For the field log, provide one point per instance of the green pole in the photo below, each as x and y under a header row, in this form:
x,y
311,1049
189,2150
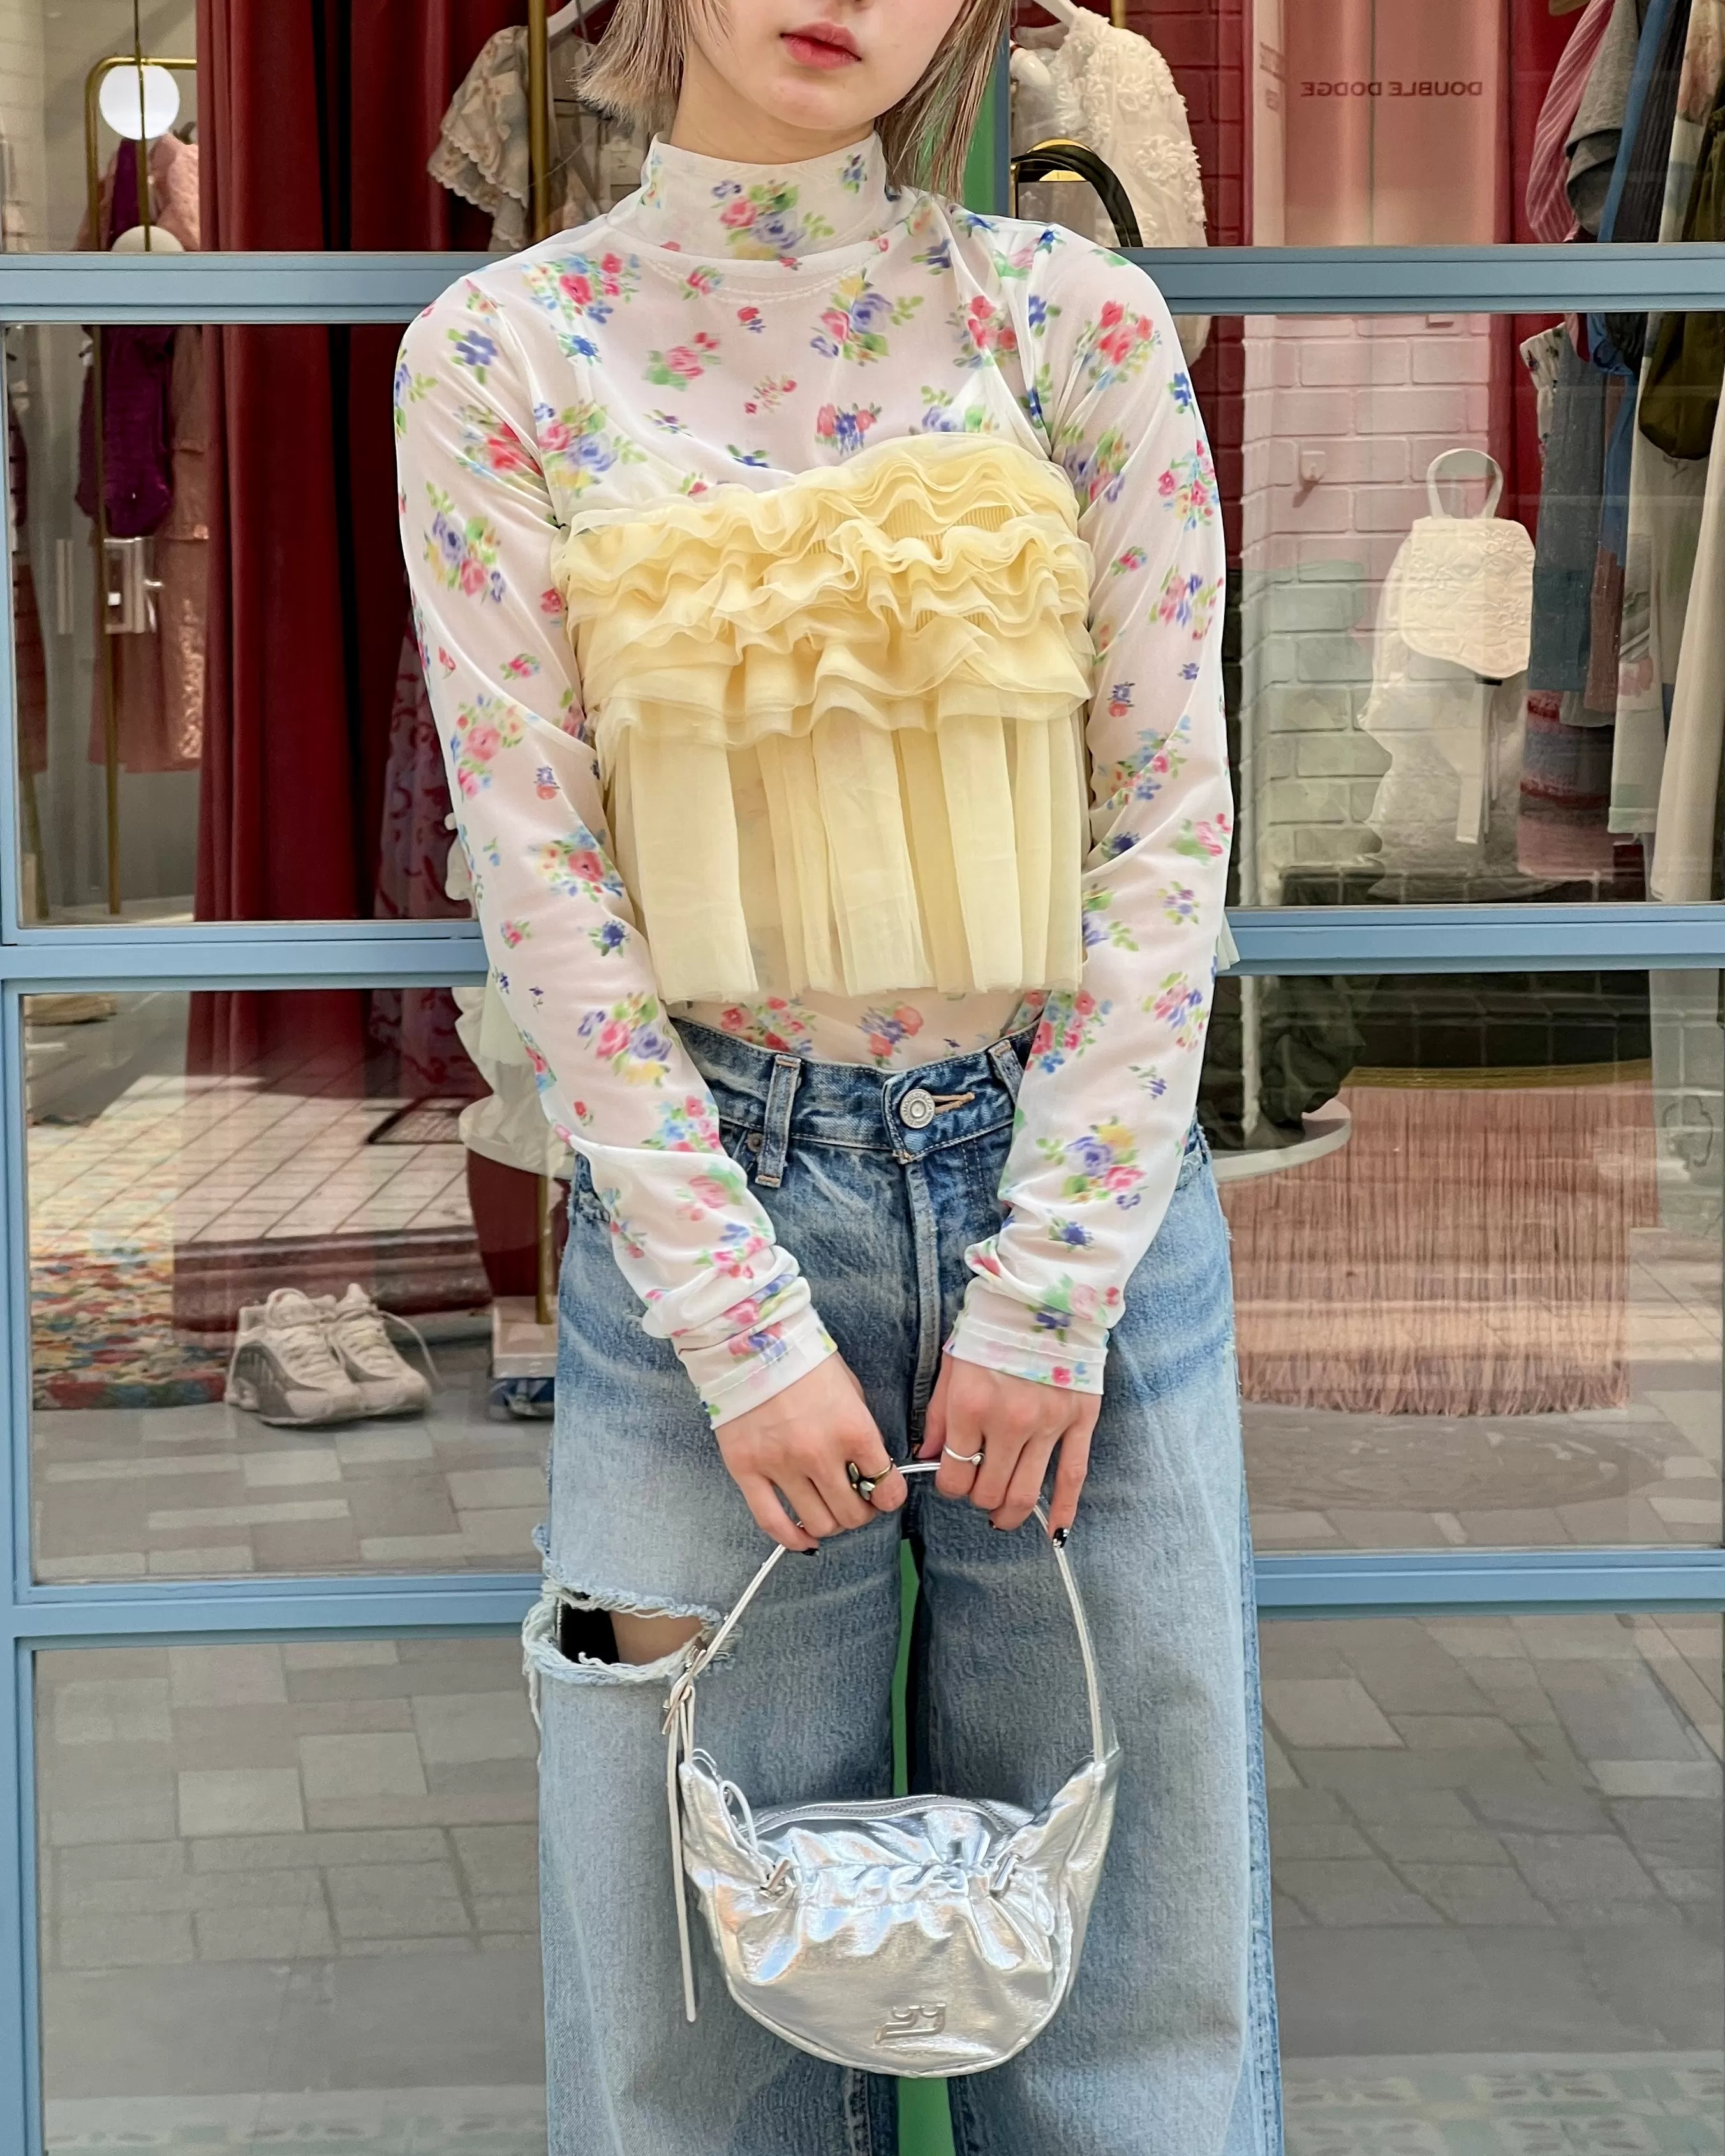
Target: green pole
x,y
925,2126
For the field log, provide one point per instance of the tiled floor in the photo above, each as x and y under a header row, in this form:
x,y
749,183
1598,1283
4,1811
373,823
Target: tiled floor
x,y
274,1870
132,1493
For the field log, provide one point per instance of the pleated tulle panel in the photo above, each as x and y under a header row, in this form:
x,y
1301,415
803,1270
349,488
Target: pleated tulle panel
x,y
840,724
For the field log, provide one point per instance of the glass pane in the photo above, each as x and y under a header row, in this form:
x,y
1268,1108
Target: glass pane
x,y
283,1318
294,1886
1496,1851
1476,1249
1468,669
1352,123
1461,666
306,136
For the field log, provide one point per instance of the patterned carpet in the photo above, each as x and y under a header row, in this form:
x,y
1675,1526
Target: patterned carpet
x,y
102,1332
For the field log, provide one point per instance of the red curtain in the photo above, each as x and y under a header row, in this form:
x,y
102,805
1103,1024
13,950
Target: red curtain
x,y
317,120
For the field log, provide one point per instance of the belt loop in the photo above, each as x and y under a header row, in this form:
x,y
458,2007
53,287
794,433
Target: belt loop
x,y
776,1135
1008,1069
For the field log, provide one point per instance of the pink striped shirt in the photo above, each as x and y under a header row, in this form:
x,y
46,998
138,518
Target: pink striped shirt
x,y
1548,210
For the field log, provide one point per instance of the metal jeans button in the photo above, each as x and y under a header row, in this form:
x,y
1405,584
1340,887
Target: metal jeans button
x,y
916,1109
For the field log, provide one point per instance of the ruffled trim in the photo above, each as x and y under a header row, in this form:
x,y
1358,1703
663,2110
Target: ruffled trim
x,y
836,722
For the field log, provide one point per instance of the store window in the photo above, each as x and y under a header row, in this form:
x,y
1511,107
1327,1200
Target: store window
x,y
274,1794
294,1277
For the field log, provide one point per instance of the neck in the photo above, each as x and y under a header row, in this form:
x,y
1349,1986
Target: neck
x,y
713,122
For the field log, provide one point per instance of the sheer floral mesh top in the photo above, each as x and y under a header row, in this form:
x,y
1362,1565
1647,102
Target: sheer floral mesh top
x,y
819,589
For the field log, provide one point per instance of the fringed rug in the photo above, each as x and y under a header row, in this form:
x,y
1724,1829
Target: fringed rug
x,y
1466,1252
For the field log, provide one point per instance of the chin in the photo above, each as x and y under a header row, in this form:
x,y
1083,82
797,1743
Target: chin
x,y
820,107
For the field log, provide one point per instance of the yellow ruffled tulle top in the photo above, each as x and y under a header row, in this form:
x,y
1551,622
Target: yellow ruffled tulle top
x,y
839,724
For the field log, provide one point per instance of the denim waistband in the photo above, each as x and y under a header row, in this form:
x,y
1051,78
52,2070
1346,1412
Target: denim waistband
x,y
791,1099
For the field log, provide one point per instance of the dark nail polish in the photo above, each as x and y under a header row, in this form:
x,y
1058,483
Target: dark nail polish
x,y
1059,1536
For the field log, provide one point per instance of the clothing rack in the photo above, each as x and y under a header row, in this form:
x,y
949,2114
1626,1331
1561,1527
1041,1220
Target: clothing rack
x,y
93,181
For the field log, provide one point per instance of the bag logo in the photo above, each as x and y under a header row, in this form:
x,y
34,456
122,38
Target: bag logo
x,y
906,2023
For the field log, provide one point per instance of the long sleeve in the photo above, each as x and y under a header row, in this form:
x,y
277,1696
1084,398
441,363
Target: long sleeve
x,y
478,518
1112,1082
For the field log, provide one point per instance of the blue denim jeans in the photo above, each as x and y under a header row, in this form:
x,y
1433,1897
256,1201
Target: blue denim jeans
x,y
1165,2046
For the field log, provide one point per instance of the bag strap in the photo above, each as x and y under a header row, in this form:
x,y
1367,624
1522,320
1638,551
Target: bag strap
x,y
1464,463
1100,1741
680,1710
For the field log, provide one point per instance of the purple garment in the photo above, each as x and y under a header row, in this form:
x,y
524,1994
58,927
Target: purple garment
x,y
137,371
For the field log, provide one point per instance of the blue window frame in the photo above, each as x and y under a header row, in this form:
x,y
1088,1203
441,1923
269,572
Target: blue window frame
x,y
333,289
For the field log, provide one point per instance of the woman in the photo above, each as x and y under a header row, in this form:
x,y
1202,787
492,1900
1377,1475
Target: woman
x,y
765,533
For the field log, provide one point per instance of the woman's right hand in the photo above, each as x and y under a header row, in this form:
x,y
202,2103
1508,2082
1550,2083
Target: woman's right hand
x,y
789,1457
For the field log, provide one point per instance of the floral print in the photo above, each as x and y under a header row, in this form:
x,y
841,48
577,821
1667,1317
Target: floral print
x,y
483,728
683,363
577,447
583,292
837,427
739,326
884,1030
1071,1022
854,324
763,222
775,1024
1117,345
632,1036
462,552
985,331
1100,1168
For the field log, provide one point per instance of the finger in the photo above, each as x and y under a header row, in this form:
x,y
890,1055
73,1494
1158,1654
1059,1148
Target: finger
x,y
934,1422
1025,1488
764,1501
1000,1457
1069,1475
962,1440
849,1508
890,1487
806,1502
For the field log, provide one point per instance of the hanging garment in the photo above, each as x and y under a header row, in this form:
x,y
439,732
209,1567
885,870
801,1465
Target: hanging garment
x,y
1550,212
1668,456
484,156
1685,844
412,868
1111,89
29,658
1597,134
1448,677
1680,396
155,442
1568,543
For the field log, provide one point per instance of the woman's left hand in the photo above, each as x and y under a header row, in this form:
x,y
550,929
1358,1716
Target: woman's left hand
x,y
1015,1424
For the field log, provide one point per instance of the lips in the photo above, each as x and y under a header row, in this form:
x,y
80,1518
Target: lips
x,y
822,45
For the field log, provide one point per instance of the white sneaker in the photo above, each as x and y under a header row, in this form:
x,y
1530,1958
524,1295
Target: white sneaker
x,y
283,1369
354,1328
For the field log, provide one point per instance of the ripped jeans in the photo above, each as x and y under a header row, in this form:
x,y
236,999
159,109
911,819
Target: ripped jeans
x,y
1165,2046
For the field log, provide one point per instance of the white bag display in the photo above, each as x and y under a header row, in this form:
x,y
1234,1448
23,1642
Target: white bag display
x,y
1449,680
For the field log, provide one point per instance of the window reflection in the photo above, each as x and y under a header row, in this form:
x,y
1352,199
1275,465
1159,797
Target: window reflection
x,y
1476,1233
287,1259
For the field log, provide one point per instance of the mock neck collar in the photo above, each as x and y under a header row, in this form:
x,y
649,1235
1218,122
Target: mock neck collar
x,y
708,205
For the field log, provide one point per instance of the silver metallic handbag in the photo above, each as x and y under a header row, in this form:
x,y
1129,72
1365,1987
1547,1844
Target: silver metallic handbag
x,y
912,1936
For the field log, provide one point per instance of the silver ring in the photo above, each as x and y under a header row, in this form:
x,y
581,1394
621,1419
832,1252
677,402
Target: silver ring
x,y
964,1459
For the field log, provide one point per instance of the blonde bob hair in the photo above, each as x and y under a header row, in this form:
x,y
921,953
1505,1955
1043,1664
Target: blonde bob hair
x,y
637,73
